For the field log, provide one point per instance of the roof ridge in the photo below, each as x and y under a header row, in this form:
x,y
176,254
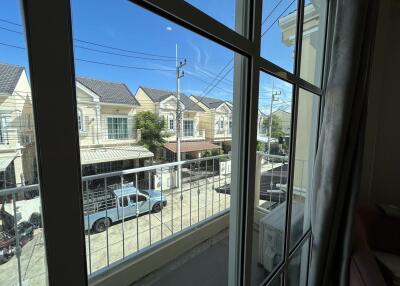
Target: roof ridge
x,y
12,65
102,80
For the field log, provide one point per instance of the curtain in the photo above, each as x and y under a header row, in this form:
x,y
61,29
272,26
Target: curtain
x,y
339,154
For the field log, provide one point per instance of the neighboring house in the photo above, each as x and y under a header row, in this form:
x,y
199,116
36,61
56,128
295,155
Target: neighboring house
x,y
106,120
216,120
17,149
163,104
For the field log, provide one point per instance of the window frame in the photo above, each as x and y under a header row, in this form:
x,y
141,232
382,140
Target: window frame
x,y
52,68
114,134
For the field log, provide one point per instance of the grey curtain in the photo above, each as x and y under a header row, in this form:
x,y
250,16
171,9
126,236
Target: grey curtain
x,y
338,161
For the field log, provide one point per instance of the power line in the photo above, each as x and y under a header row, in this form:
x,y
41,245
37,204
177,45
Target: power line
x,y
272,11
100,63
12,31
121,55
276,20
123,66
10,22
12,46
91,43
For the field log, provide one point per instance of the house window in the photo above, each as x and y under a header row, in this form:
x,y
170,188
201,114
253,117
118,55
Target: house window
x,y
221,123
171,124
80,120
117,127
187,127
230,127
3,130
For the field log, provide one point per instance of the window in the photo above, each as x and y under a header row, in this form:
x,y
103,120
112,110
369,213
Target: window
x,y
81,125
171,124
123,202
3,130
187,128
117,127
221,123
139,55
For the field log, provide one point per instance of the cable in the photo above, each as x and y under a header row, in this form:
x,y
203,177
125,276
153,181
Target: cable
x,y
122,55
280,15
12,46
10,22
11,30
100,63
272,11
123,66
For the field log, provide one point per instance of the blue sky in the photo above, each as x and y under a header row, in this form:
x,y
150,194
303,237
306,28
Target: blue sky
x,y
125,26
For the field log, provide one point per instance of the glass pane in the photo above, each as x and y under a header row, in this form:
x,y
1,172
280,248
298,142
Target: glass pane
x,y
298,266
306,143
278,32
312,52
22,251
221,10
274,126
126,67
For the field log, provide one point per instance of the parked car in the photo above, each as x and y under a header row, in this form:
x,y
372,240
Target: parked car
x,y
122,203
7,246
270,183
8,240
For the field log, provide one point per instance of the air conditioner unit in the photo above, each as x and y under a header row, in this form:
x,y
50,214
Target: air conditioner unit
x,y
272,234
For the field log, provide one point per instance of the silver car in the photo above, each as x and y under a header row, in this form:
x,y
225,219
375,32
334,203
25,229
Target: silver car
x,y
127,202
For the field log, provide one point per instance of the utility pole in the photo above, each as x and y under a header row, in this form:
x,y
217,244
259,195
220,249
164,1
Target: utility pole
x,y
179,75
274,93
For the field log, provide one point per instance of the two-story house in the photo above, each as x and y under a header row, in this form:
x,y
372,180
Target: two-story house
x,y
106,120
216,120
163,104
17,150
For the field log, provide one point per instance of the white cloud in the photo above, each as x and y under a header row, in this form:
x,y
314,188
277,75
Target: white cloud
x,y
168,28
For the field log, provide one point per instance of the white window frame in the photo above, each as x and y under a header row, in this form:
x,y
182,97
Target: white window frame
x,y
81,121
183,127
108,130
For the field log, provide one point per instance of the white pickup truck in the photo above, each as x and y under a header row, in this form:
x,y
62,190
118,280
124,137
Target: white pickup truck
x,y
123,203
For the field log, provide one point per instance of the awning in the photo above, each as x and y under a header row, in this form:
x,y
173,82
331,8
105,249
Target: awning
x,y
5,161
192,146
110,154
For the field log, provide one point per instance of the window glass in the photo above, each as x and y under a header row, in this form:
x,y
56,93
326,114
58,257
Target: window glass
x,y
222,10
313,44
126,62
22,245
123,202
272,166
306,144
278,32
298,266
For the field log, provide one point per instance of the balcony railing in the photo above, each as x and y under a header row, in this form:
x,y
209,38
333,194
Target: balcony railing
x,y
126,213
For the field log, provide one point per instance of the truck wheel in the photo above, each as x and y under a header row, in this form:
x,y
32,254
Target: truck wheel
x,y
101,225
157,207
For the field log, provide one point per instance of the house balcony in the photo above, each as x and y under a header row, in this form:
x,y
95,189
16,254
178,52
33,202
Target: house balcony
x,y
146,245
187,135
92,140
222,135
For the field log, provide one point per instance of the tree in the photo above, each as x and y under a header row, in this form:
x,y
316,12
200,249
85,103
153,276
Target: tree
x,y
277,128
153,130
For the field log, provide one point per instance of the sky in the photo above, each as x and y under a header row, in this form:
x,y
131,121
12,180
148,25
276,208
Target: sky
x,y
144,46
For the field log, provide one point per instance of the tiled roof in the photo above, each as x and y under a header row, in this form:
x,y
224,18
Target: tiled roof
x,y
9,76
109,92
108,154
210,102
157,95
192,146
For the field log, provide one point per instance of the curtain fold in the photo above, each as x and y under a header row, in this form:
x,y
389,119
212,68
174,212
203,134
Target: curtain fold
x,y
339,154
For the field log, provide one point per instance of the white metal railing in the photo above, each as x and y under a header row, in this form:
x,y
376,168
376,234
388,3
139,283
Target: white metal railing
x,y
203,195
